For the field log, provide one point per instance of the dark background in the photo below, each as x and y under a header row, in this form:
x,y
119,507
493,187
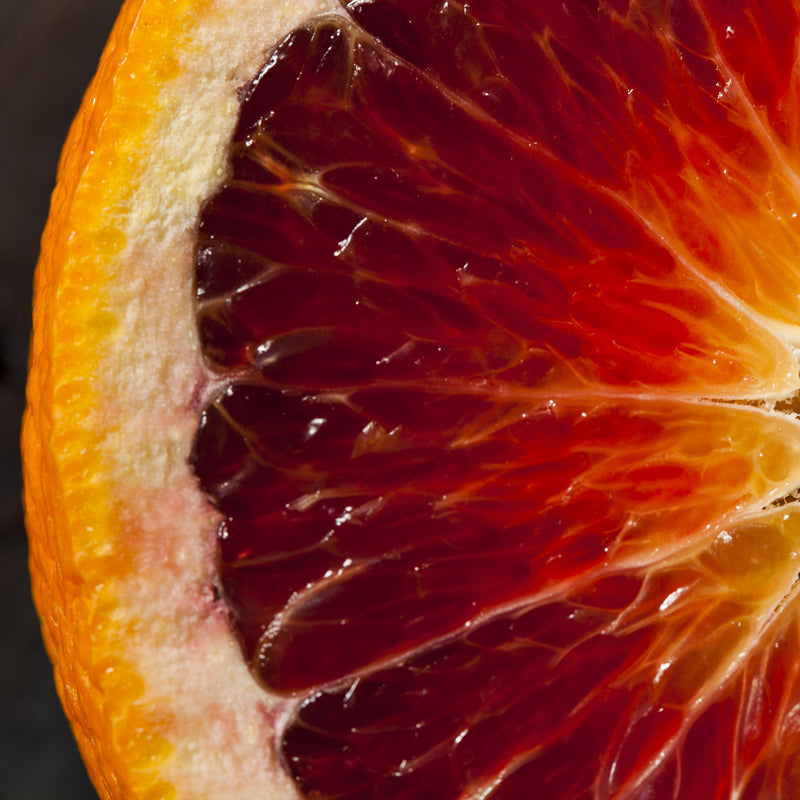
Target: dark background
x,y
48,53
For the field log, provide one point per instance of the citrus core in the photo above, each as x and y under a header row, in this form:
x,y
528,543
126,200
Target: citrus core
x,y
412,403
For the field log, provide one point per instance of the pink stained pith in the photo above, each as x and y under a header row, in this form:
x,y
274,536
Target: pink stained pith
x,y
476,285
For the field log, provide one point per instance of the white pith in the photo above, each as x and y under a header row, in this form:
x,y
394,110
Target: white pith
x,y
180,641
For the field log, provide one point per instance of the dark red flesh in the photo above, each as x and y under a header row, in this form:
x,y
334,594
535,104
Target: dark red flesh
x,y
436,310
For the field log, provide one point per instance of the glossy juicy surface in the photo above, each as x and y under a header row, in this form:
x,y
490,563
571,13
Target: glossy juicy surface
x,y
500,297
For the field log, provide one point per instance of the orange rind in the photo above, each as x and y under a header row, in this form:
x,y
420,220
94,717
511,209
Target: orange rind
x,y
121,537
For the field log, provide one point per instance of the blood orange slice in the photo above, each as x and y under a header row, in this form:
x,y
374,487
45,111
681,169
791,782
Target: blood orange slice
x,y
413,402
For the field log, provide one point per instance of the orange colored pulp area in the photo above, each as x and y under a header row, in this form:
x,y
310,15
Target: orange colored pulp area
x,y
475,290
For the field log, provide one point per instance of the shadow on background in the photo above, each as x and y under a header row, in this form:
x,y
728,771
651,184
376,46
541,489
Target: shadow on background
x,y
48,53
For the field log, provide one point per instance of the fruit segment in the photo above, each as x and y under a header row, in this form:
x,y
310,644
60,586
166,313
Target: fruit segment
x,y
359,240
497,301
682,110
329,534
627,670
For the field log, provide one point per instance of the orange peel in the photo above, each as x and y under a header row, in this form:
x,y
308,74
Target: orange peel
x,y
121,537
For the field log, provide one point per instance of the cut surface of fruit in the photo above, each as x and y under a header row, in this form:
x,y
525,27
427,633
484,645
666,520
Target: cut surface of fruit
x,y
413,402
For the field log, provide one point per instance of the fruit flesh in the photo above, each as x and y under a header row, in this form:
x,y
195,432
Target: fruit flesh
x,y
485,516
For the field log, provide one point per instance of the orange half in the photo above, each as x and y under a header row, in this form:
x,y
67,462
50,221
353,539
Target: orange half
x,y
677,423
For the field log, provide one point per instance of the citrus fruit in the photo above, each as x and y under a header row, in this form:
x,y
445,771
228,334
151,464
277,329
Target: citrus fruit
x,y
412,409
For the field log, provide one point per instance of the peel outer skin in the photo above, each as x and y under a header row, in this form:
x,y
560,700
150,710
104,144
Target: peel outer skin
x,y
53,589
121,540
